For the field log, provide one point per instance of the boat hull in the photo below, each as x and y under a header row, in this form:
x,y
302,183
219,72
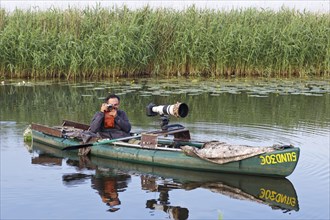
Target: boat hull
x,y
278,193
279,163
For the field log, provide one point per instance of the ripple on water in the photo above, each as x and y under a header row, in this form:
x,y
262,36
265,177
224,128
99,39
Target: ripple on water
x,y
312,140
252,134
6,123
314,156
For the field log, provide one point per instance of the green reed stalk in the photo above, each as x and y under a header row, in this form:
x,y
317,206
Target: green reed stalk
x,y
98,42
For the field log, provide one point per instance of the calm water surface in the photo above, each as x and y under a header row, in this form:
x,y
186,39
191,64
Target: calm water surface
x,y
38,182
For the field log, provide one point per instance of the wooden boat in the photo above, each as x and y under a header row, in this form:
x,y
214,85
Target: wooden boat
x,y
278,193
168,148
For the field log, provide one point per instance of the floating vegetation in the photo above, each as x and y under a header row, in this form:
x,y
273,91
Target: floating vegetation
x,y
27,134
118,42
253,88
193,94
82,86
234,92
168,87
258,96
98,88
146,93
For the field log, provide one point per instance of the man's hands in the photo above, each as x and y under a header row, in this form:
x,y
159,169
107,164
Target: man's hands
x,y
104,108
113,112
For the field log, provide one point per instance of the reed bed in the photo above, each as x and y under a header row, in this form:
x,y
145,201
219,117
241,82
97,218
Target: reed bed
x,y
97,42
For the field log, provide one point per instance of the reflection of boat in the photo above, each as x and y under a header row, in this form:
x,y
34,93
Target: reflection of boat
x,y
46,159
278,193
179,152
106,183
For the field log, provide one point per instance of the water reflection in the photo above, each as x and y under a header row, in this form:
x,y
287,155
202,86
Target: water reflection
x,y
163,203
174,212
109,184
47,160
106,183
236,102
111,177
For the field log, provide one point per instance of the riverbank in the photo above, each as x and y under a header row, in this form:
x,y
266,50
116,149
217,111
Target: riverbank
x,y
97,42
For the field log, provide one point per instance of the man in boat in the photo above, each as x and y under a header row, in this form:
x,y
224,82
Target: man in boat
x,y
110,122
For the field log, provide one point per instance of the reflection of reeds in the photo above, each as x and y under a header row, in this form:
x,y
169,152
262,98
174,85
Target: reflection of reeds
x,y
50,103
96,42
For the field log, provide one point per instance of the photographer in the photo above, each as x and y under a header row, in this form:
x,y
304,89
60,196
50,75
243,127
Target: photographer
x,y
110,122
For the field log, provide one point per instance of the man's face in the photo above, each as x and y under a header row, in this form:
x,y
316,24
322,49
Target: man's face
x,y
114,102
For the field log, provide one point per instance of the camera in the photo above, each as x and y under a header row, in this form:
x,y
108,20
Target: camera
x,y
179,110
109,107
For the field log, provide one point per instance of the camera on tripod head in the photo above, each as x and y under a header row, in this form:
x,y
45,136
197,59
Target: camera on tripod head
x,y
179,110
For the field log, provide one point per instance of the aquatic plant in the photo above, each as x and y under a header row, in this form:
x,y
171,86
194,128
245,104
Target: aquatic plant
x,y
98,42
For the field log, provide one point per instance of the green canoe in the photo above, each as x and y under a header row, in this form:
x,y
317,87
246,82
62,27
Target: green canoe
x,y
157,148
278,193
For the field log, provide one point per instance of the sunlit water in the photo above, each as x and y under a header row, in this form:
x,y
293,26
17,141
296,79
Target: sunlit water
x,y
40,183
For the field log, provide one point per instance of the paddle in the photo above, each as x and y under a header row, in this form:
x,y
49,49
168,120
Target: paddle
x,y
104,141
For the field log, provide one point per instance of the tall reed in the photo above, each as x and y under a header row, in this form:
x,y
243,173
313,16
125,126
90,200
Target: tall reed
x,y
100,42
